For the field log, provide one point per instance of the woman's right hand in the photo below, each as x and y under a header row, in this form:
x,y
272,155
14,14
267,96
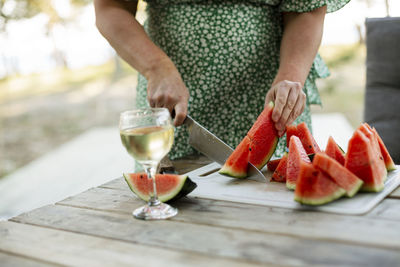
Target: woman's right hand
x,y
165,88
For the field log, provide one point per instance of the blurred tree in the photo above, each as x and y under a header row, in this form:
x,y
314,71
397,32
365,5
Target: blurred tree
x,y
370,4
11,10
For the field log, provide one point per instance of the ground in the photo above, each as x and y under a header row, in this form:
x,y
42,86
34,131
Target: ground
x,y
40,112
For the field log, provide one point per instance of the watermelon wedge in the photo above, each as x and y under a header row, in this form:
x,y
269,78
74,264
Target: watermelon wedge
x,y
363,160
256,147
334,151
314,187
264,138
338,173
279,174
297,154
367,131
272,164
306,138
169,186
290,130
389,163
237,163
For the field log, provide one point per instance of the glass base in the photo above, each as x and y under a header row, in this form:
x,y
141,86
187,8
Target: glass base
x,y
157,212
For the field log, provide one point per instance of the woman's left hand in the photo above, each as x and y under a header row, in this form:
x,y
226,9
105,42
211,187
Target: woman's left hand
x,y
289,100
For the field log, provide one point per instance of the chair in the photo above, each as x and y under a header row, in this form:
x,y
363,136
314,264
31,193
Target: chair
x,y
382,98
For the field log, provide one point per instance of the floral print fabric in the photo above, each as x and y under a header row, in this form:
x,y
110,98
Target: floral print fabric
x,y
227,53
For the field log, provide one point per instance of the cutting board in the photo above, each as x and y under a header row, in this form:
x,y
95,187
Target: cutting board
x,y
212,185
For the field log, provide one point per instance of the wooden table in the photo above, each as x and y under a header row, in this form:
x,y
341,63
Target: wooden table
x,y
96,228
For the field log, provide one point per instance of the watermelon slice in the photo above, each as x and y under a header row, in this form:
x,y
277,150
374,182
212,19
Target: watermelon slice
x,y
314,187
334,151
363,160
290,130
306,138
338,173
237,163
169,186
279,174
256,147
264,138
373,140
389,163
297,154
272,164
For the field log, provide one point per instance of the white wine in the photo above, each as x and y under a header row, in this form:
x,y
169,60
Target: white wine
x,y
148,145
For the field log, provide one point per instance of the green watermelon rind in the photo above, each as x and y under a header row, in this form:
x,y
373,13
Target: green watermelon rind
x,y
272,148
228,171
290,186
372,188
355,188
367,188
185,187
321,201
390,167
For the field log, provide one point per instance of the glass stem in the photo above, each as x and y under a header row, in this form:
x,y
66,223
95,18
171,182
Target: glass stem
x,y
151,172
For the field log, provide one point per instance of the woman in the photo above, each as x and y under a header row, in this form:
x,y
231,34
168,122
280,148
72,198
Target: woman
x,y
222,61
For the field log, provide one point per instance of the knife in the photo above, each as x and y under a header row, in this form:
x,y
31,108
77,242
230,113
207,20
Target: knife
x,y
214,148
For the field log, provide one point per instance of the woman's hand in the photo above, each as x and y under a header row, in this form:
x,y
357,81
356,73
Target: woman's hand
x,y
116,21
165,88
302,33
289,100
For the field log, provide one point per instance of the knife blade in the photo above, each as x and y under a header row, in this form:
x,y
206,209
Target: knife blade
x,y
214,148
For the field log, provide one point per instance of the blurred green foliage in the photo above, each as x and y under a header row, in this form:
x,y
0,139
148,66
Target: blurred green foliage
x,y
23,9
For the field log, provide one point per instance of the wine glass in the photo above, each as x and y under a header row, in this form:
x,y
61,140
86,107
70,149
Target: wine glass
x,y
147,135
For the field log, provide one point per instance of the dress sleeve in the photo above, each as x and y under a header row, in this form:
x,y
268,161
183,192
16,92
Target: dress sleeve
x,y
309,5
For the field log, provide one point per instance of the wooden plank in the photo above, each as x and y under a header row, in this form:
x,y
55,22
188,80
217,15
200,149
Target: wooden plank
x,y
316,225
10,260
388,209
190,163
117,184
61,247
395,193
254,246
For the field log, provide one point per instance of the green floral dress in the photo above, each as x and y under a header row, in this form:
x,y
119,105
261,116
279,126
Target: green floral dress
x,y
228,55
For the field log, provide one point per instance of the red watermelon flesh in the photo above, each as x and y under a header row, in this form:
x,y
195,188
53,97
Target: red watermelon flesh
x,y
362,160
169,186
338,173
264,138
256,147
272,164
297,154
290,130
368,132
373,139
314,187
279,174
390,166
237,163
389,163
334,151
306,138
